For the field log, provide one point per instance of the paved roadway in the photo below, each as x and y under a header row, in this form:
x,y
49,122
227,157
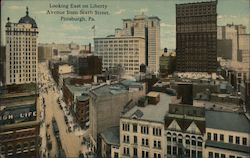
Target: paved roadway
x,y
71,142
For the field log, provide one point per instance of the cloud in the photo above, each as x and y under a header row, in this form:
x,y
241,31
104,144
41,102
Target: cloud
x,y
121,11
69,26
15,7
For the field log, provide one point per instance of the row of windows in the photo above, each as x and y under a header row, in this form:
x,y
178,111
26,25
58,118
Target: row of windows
x,y
19,29
144,154
173,150
18,147
217,155
144,129
116,41
22,33
231,139
20,80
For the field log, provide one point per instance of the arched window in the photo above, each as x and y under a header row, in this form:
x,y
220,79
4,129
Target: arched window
x,y
180,138
10,148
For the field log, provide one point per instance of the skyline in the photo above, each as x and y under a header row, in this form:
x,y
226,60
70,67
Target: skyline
x,y
81,33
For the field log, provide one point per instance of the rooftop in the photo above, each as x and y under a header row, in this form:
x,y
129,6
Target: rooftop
x,y
115,88
229,121
111,135
219,106
228,146
108,90
150,112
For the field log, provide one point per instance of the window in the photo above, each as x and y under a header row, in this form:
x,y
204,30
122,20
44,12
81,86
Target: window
x,y
209,136
231,156
210,155
244,141
188,152
125,127
174,150
126,139
193,142
144,142
216,155
193,154
215,137
168,138
157,144
199,154
135,152
199,143
223,156
145,154
144,129
134,127
221,137
230,140
126,151
157,131
135,139
237,140
180,140
169,149
116,155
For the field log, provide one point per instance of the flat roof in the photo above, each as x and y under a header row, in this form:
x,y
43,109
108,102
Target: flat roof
x,y
151,112
228,146
108,90
111,135
229,121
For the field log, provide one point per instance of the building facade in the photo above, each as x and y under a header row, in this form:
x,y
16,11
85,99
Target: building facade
x,y
129,52
142,128
106,103
185,131
21,51
19,121
149,28
196,37
232,32
138,42
227,135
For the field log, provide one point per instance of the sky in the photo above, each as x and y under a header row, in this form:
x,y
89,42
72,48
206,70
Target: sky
x,y
52,29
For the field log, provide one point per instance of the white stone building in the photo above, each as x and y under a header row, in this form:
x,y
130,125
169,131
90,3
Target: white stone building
x,y
127,51
146,31
21,51
227,135
142,128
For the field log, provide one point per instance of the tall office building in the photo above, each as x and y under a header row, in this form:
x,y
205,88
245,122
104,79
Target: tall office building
x,y
234,33
126,51
21,51
196,37
140,37
149,28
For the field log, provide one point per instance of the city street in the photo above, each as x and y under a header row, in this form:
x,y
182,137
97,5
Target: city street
x,y
71,141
